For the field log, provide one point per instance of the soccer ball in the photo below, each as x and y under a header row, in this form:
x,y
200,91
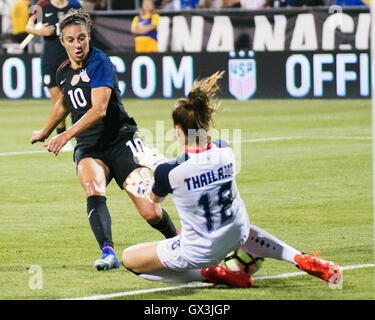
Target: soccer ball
x,y
238,260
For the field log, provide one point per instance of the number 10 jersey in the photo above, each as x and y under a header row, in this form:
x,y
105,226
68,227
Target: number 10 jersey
x,y
76,85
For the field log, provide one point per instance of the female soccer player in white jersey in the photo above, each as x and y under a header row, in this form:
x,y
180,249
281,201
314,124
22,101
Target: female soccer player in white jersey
x,y
213,216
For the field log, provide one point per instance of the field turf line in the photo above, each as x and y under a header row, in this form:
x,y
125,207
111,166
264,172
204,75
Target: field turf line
x,y
203,285
3,154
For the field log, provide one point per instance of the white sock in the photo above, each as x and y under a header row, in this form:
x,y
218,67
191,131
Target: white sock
x,y
260,243
175,276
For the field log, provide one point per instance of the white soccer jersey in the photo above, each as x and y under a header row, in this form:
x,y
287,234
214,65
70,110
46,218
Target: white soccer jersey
x,y
213,217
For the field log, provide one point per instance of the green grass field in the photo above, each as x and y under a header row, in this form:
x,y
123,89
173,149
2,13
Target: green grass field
x,y
311,187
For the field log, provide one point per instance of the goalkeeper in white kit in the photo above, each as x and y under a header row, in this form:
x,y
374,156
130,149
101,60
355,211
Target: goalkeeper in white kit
x,y
212,213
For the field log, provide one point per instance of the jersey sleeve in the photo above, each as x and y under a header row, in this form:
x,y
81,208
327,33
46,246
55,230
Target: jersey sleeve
x,y
162,187
59,72
101,73
135,21
58,78
76,4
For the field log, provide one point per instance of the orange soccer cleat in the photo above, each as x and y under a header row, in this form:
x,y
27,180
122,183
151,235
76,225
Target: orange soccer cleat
x,y
221,275
323,269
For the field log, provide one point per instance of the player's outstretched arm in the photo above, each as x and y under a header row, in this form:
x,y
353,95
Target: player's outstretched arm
x,y
59,112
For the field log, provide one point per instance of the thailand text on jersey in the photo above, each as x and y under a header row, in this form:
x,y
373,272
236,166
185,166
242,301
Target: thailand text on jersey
x,y
76,85
46,12
212,214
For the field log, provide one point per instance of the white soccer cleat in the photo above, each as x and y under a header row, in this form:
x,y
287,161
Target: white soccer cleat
x,y
107,261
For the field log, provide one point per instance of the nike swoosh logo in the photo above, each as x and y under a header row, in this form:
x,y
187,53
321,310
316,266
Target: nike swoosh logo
x,y
89,215
49,14
62,81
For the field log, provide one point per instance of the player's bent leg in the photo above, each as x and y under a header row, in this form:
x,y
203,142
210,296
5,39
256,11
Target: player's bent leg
x,y
150,211
260,243
92,174
142,258
155,216
164,261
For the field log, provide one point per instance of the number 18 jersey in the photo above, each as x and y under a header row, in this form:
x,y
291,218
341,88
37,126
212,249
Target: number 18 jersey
x,y
213,216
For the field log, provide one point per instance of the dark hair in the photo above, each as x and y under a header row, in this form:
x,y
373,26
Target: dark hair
x,y
195,112
76,16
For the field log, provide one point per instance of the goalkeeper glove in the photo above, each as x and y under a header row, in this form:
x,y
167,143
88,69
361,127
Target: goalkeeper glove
x,y
140,184
150,158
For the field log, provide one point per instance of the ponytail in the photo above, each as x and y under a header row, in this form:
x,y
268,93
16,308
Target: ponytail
x,y
196,111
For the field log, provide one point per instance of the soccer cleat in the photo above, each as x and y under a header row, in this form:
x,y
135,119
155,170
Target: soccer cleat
x,y
108,260
221,275
323,269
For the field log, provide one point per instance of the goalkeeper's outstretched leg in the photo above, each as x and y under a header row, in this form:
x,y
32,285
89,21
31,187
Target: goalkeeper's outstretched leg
x,y
260,243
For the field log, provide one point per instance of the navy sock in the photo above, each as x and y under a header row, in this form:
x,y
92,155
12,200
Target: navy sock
x,y
100,220
166,226
60,130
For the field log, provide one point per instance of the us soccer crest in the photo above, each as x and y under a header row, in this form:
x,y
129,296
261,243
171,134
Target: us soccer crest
x,y
242,75
84,76
75,80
